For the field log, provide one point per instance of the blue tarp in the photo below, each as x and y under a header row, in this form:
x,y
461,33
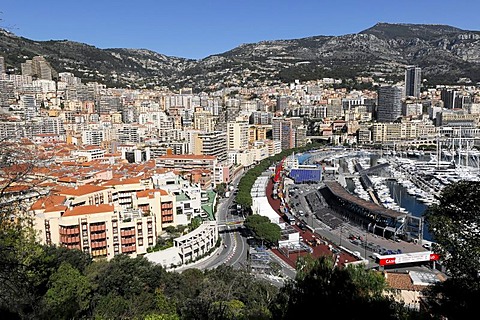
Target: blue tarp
x,y
306,175
303,157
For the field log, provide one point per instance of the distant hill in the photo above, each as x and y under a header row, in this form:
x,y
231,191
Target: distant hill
x,y
445,54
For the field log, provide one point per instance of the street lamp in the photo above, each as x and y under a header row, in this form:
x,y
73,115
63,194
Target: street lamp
x,y
366,241
341,227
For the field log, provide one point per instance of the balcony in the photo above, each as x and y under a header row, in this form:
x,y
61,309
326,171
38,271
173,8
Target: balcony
x,y
167,205
69,230
98,244
98,227
128,249
97,236
127,233
101,252
130,240
167,212
167,219
69,240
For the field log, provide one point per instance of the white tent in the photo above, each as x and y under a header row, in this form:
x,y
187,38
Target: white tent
x,y
261,206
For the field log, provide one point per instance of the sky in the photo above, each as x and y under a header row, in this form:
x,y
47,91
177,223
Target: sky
x,y
197,29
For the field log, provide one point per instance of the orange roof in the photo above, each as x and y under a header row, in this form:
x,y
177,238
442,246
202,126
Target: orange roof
x,y
402,281
48,201
17,188
91,147
93,209
57,209
187,156
150,193
67,179
120,182
81,190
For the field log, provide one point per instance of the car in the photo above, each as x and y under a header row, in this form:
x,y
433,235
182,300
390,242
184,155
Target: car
x,y
302,226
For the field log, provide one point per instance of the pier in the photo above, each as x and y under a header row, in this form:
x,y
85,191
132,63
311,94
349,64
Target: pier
x,y
373,217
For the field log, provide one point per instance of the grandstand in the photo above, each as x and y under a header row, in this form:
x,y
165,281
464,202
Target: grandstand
x,y
303,157
306,175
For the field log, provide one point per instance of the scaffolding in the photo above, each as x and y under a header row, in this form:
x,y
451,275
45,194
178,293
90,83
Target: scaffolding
x,y
259,259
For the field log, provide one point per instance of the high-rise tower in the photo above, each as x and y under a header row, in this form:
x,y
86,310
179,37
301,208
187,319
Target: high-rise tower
x,y
389,106
413,81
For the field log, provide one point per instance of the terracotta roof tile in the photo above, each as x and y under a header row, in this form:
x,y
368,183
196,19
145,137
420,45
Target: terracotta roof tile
x,y
81,190
186,156
402,281
47,202
119,182
150,193
81,210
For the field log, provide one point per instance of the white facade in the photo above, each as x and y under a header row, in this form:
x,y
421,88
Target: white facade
x,y
189,247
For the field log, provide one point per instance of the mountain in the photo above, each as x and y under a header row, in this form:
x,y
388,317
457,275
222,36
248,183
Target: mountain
x,y
446,54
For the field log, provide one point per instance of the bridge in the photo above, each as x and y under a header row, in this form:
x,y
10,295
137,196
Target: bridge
x,y
231,223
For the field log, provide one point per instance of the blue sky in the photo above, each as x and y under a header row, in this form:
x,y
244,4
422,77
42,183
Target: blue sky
x,y
197,29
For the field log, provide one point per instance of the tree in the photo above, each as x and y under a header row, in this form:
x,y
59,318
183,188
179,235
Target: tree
x,y
19,251
69,293
455,225
128,276
262,228
220,293
221,188
354,292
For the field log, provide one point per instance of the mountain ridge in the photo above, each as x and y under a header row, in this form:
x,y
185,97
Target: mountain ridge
x,y
444,52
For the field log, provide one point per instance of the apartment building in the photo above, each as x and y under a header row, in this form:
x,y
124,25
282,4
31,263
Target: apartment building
x,y
105,220
212,144
186,162
237,135
390,132
88,153
98,230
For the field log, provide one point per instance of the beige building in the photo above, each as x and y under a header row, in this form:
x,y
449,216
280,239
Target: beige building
x,y
237,135
99,230
390,132
211,144
409,287
262,132
203,120
105,221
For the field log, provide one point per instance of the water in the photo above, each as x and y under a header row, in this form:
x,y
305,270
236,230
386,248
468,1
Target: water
x,y
410,203
399,194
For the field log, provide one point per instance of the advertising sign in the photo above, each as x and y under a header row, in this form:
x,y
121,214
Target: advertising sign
x,y
394,259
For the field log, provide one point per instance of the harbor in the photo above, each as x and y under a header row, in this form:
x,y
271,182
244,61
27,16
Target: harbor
x,y
407,183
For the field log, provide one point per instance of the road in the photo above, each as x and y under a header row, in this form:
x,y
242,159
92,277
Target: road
x,y
234,248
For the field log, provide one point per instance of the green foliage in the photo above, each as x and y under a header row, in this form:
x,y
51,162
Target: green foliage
x,y
219,293
195,223
69,293
262,228
245,184
171,229
454,223
162,317
221,188
322,286
128,276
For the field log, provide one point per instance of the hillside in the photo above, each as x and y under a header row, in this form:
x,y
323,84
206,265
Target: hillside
x,y
445,54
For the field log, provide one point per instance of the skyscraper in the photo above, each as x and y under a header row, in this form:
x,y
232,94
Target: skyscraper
x,y
389,106
2,65
413,80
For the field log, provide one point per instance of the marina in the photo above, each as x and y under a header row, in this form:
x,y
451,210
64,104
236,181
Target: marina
x,y
409,184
